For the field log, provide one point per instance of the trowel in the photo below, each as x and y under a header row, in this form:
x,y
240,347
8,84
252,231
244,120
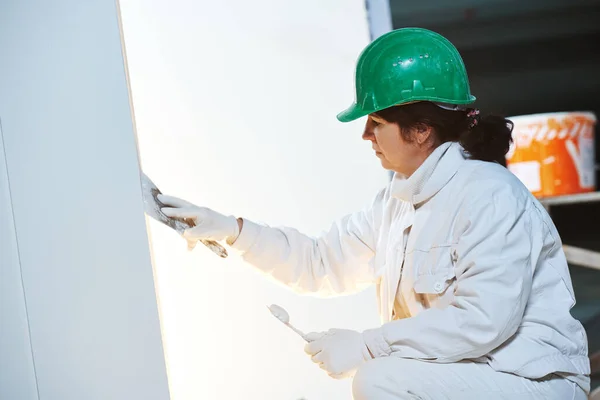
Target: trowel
x,y
152,208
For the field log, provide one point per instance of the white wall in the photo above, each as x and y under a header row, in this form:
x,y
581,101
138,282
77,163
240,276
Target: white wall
x,y
17,374
79,315
235,106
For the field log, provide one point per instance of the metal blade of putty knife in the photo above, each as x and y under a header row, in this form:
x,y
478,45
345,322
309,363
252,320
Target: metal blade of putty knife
x,y
152,207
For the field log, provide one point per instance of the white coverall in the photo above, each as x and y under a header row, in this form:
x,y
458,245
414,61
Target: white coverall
x,y
474,289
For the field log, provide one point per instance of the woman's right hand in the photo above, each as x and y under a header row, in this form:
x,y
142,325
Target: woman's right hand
x,y
209,224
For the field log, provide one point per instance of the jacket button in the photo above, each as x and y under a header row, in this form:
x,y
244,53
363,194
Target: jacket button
x,y
438,287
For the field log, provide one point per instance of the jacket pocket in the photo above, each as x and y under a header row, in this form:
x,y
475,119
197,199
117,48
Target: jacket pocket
x,y
435,270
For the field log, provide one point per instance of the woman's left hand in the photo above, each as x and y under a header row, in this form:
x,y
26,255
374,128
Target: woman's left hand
x,y
338,351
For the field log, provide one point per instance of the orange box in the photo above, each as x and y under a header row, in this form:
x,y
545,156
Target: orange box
x,y
553,154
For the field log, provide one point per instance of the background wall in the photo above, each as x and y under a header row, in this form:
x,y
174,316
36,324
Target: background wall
x,y
78,309
235,106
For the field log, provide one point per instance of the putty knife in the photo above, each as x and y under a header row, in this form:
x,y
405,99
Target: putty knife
x,y
152,207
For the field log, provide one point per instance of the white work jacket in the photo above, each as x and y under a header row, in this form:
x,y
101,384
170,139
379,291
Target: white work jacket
x,y
467,263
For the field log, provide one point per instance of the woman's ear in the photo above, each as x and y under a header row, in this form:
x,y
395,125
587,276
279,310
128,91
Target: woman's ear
x,y
423,133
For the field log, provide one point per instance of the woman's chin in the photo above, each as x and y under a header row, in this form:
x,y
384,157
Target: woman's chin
x,y
385,164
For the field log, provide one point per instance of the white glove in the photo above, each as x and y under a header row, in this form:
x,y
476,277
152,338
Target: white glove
x,y
338,351
209,224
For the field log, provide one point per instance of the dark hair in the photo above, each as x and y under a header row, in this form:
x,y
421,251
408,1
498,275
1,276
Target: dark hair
x,y
485,138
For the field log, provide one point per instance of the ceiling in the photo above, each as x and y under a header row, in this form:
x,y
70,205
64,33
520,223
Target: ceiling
x,y
522,57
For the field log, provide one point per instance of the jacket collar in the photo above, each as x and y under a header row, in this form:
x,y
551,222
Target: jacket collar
x,y
431,176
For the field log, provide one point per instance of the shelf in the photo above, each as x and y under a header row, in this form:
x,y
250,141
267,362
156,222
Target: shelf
x,y
582,257
571,199
576,255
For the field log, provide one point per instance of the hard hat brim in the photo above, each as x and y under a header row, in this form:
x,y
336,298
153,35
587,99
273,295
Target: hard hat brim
x,y
352,113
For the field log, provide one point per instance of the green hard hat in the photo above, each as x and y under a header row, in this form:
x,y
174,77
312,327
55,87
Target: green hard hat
x,y
404,66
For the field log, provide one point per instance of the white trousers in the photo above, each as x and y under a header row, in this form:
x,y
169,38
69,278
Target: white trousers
x,y
394,378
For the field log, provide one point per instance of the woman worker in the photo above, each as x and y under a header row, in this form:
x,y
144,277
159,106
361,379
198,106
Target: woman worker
x,y
473,286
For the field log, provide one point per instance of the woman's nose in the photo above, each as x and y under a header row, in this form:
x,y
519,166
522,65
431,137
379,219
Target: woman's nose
x,y
368,133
